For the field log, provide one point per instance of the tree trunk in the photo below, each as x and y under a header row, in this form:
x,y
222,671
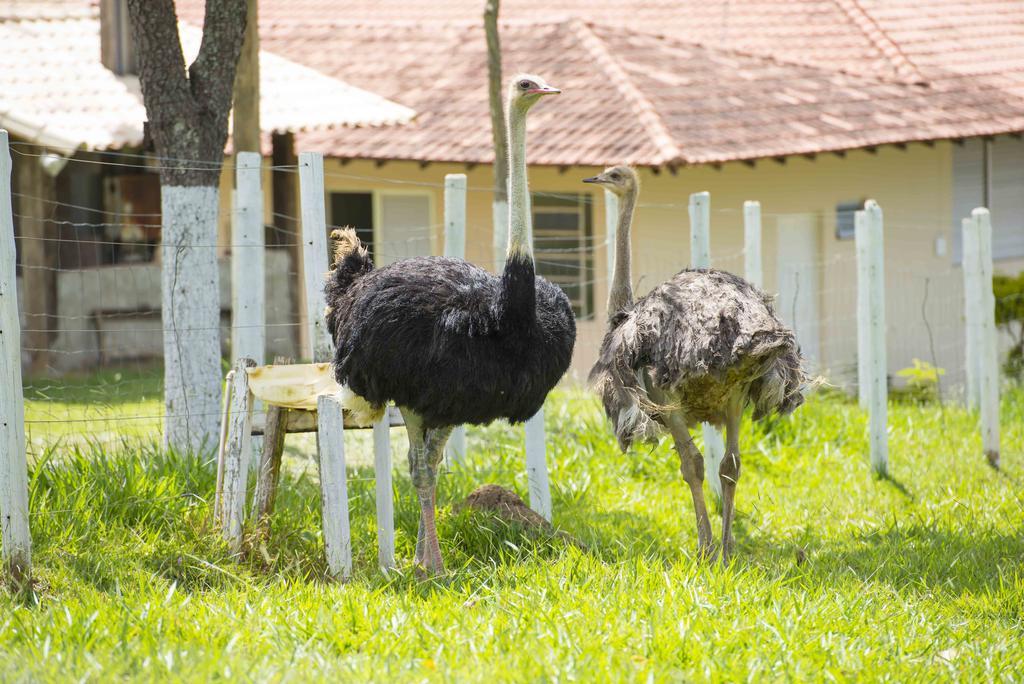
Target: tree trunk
x,y
245,127
498,132
191,316
188,121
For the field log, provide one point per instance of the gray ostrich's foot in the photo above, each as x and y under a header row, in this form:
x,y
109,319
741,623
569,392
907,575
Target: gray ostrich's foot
x,y
729,473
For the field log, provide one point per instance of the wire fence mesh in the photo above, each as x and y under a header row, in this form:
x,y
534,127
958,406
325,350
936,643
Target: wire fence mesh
x,y
93,354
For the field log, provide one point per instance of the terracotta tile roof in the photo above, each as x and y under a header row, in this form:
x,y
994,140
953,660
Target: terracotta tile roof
x,y
695,80
860,36
55,91
628,96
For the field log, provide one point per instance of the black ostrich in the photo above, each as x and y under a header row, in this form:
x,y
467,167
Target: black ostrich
x,y
447,341
700,347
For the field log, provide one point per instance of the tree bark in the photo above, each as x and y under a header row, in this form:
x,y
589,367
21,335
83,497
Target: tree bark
x,y
188,121
499,132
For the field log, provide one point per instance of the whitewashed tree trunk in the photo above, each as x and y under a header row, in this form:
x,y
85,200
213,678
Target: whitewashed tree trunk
x,y
700,257
191,316
14,530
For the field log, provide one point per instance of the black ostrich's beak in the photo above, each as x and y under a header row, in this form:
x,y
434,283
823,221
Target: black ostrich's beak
x,y
592,179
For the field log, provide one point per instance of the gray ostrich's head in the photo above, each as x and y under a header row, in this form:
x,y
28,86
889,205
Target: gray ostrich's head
x,y
621,180
527,89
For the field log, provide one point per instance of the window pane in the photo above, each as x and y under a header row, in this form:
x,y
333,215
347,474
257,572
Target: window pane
x,y
354,209
404,227
563,246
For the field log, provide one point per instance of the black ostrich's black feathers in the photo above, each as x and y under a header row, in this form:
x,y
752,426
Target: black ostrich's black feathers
x,y
448,339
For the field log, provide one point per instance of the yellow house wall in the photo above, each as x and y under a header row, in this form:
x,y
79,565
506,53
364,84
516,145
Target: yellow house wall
x,y
912,185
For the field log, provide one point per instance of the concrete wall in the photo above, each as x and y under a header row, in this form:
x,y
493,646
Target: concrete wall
x,y
136,287
912,185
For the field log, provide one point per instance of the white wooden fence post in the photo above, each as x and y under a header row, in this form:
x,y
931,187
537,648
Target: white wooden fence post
x,y
385,494
248,315
871,246
753,267
972,318
455,246
330,444
863,311
14,529
988,380
234,469
314,253
611,226
537,466
700,257
700,230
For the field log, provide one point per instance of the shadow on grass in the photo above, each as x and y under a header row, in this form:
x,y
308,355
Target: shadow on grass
x,y
907,558
897,485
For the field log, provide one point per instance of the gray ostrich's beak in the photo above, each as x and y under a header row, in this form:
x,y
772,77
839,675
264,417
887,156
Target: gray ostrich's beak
x,y
546,90
592,179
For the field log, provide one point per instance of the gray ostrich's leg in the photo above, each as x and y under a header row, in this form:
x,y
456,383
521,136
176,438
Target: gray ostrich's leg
x,y
691,465
729,473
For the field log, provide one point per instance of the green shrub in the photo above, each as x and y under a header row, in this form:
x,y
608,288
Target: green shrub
x,y
922,382
1009,293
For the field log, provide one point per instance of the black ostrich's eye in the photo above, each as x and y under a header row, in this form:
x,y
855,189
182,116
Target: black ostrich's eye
x,y
614,176
525,85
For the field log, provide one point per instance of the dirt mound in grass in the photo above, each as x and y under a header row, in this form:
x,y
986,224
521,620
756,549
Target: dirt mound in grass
x,y
506,504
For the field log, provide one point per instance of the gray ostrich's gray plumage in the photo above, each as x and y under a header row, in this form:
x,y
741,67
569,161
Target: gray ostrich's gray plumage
x,y
706,339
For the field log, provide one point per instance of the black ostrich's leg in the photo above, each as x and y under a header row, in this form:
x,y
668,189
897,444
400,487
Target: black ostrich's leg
x,y
729,472
426,448
691,465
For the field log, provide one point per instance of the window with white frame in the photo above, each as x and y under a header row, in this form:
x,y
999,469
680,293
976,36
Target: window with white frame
x,y
563,239
392,225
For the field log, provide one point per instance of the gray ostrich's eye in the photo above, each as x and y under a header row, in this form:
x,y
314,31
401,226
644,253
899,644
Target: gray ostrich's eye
x,y
525,85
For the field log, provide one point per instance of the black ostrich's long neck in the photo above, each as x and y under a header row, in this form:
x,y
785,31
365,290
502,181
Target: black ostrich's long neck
x,y
620,295
519,296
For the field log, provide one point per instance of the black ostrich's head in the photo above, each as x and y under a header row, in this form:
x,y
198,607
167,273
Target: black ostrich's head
x,y
619,179
526,90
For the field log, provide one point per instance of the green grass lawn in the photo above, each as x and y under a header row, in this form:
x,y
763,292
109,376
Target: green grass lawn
x,y
838,575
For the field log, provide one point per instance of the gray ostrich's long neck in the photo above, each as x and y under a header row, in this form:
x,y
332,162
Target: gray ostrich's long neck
x,y
620,296
519,295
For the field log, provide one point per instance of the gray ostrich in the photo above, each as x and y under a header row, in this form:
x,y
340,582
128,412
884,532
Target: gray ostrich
x,y
700,347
